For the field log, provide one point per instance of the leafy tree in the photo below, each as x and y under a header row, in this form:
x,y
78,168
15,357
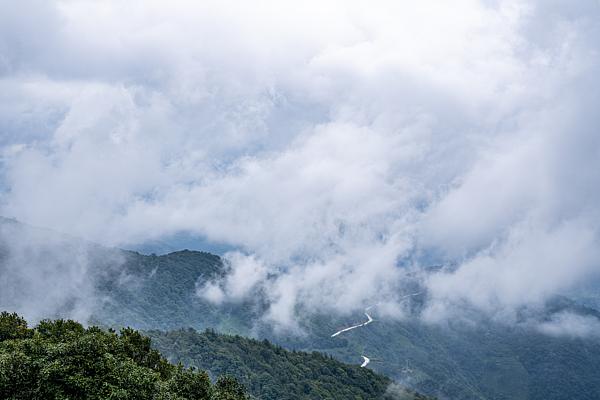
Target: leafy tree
x,y
227,388
12,326
190,383
63,360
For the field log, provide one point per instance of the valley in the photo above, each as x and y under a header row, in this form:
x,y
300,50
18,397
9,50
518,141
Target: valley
x,y
158,295
458,361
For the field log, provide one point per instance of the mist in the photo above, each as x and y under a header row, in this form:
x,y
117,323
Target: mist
x,y
336,149
45,274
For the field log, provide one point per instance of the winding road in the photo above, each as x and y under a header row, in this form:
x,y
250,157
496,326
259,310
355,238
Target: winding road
x,y
369,320
365,362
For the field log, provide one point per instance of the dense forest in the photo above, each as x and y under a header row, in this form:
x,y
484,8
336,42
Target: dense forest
x,y
271,372
61,359
159,292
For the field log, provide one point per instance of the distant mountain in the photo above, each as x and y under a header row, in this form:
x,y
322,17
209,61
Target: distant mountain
x,y
489,361
40,271
149,292
180,240
158,292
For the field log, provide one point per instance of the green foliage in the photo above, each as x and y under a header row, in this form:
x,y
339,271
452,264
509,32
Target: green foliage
x,y
59,329
63,360
227,388
489,361
159,292
269,371
456,361
187,383
12,326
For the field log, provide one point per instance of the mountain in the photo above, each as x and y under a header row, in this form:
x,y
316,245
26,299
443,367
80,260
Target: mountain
x,y
486,361
158,292
45,274
180,240
61,359
271,372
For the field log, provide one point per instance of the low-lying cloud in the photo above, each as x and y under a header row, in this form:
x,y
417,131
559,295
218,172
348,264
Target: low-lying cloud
x,y
572,325
44,274
338,146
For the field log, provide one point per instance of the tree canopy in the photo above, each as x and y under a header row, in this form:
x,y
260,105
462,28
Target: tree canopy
x,y
61,359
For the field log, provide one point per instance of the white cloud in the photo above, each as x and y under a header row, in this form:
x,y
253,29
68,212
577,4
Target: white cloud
x,y
327,142
525,268
567,324
245,272
44,274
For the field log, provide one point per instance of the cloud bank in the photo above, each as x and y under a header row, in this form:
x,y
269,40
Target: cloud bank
x,y
44,274
338,146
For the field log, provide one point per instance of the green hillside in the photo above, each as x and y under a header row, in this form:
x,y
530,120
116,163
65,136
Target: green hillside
x,y
151,291
460,362
455,361
269,371
485,361
159,292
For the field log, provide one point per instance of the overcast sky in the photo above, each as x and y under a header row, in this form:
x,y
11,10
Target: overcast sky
x,y
332,143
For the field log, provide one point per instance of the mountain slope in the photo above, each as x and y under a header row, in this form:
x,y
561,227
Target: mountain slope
x,y
490,361
44,274
124,288
158,292
270,372
461,362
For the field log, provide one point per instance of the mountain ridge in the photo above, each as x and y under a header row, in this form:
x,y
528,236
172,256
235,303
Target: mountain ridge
x,y
488,361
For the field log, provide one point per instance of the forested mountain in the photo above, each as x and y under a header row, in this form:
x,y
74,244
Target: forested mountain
x,y
271,372
159,292
45,273
63,360
60,359
148,292
489,361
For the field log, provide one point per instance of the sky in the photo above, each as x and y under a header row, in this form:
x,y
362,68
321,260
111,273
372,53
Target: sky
x,y
335,147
